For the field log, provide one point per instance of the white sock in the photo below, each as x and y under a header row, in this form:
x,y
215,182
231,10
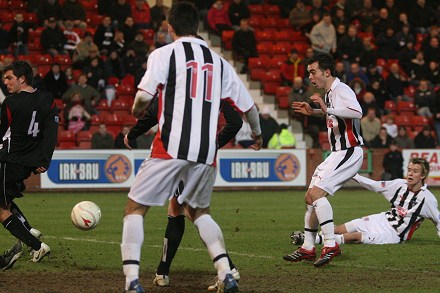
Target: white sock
x,y
132,238
324,213
311,228
212,236
339,238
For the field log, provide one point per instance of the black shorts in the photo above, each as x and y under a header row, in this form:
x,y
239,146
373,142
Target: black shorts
x,y
11,181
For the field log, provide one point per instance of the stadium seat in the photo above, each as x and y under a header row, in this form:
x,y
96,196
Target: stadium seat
x,y
113,80
402,120
66,139
418,122
227,39
264,36
83,136
148,35
120,107
390,107
129,120
410,91
256,22
272,11
64,61
258,62
128,80
283,91
42,59
257,73
406,108
103,107
281,48
257,10
264,47
283,23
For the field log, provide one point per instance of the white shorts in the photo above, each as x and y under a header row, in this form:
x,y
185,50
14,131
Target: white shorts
x,y
375,229
158,179
337,168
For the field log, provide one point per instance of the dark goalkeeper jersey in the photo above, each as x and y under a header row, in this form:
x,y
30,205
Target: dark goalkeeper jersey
x,y
29,129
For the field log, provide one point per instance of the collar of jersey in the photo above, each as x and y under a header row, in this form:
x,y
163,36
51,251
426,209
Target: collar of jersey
x,y
192,40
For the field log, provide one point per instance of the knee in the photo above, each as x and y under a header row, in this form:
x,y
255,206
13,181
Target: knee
x,y
133,208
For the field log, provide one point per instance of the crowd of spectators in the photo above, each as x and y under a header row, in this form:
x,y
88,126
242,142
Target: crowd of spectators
x,y
388,51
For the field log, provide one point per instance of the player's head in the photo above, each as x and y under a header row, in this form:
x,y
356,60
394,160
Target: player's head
x,y
183,19
418,169
17,76
321,68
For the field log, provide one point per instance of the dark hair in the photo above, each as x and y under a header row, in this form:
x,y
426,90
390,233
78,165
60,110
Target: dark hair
x,y
422,162
21,68
325,61
184,19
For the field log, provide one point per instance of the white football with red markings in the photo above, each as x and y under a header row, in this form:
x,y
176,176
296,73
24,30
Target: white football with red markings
x,y
86,215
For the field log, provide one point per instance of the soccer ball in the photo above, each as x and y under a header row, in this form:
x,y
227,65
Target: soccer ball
x,y
85,215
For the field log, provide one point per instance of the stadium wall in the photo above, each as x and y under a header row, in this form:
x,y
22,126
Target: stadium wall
x,y
238,169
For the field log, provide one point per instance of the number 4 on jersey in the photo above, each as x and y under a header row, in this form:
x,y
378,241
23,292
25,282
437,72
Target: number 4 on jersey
x,y
33,126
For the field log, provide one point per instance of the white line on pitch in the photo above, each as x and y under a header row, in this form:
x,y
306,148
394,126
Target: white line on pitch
x,y
239,254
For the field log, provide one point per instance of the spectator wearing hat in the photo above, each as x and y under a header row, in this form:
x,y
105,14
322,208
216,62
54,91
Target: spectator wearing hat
x,y
291,68
424,139
53,39
269,126
392,163
244,44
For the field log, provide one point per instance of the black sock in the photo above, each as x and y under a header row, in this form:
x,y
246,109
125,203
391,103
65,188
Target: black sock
x,y
231,264
173,236
19,214
16,227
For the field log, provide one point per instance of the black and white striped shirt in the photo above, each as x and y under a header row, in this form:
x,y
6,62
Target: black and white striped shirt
x,y
190,80
343,117
408,209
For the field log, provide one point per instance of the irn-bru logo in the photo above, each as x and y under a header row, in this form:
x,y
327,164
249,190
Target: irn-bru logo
x,y
287,167
117,168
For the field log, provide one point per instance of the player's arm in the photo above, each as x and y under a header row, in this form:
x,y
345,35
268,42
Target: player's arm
x,y
4,119
346,106
253,119
233,124
50,138
430,211
143,124
141,101
387,188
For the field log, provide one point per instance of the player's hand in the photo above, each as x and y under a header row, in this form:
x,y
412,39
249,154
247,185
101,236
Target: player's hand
x,y
302,107
258,142
126,142
40,170
316,98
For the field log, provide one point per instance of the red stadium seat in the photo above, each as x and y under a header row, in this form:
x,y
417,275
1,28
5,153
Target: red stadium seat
x,y
418,122
391,107
227,39
120,107
410,91
283,91
402,120
257,10
283,102
264,47
42,59
128,80
103,107
257,73
262,36
406,108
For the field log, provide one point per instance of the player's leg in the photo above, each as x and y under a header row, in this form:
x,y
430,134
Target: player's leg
x,y
154,183
173,236
197,197
12,185
132,239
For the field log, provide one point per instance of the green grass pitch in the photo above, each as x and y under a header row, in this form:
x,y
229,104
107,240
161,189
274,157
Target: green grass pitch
x,y
256,226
